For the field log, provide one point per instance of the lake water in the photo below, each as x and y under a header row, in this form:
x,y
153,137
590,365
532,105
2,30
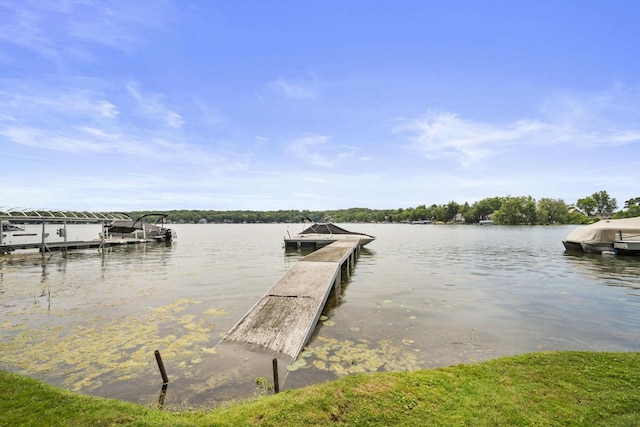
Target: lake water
x,y
421,296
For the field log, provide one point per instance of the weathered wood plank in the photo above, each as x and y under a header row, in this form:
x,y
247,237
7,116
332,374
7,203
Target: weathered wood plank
x,y
277,323
285,317
337,251
306,279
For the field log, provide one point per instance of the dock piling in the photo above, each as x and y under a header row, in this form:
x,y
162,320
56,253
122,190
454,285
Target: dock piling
x,y
276,381
163,372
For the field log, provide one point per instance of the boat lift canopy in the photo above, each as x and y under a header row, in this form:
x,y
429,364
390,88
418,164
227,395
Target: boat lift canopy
x,y
18,215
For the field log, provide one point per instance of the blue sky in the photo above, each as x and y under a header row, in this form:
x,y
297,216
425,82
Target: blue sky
x,y
265,105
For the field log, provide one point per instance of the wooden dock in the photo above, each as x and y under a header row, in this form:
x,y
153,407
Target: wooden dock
x,y
63,246
19,218
285,317
276,328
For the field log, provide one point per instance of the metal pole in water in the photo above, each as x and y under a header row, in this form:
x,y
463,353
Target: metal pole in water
x,y
276,381
163,372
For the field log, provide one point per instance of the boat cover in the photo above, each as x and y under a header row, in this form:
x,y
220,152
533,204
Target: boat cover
x,y
606,231
326,228
329,228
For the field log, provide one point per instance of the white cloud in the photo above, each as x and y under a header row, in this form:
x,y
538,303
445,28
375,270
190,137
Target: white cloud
x,y
69,29
208,116
21,26
296,89
319,151
75,140
443,135
62,119
306,148
151,106
315,180
579,121
38,104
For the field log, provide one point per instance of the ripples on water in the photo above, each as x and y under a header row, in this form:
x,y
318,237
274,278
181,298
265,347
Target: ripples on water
x,y
421,296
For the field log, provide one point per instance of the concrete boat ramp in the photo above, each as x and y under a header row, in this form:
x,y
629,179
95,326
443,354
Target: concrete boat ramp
x,y
277,327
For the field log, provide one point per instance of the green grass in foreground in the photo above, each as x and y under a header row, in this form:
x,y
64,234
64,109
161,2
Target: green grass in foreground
x,y
566,388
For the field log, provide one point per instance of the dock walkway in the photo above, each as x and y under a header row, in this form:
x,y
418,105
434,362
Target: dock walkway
x,y
62,246
286,316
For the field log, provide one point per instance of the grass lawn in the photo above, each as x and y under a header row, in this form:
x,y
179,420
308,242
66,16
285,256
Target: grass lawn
x,y
539,389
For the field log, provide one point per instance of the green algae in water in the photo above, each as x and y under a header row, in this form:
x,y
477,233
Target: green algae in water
x,y
217,312
96,350
346,357
300,363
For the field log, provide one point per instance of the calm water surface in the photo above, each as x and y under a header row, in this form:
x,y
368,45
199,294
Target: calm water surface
x,y
421,296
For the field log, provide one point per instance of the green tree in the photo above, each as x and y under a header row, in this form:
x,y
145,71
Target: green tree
x,y
483,209
421,212
552,211
605,205
635,201
587,205
577,218
516,210
464,209
632,209
438,213
451,210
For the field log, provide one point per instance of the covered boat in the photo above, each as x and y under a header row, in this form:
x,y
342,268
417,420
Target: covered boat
x,y
600,236
323,233
627,247
139,229
8,226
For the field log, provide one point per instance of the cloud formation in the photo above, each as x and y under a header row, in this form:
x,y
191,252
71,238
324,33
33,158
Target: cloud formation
x,y
306,148
86,121
62,30
152,107
296,89
582,122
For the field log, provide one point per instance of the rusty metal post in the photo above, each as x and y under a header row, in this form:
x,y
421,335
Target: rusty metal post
x,y
163,372
276,381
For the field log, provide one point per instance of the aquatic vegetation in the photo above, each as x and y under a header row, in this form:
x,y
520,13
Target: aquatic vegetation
x,y
218,312
119,349
346,357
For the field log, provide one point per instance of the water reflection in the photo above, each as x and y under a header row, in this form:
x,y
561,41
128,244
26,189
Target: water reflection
x,y
163,395
607,270
419,297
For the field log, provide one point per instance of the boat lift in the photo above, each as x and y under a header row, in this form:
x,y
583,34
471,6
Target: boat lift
x,y
12,217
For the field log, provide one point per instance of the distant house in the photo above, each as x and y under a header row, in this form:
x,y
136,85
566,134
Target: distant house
x,y
202,221
572,209
601,215
458,218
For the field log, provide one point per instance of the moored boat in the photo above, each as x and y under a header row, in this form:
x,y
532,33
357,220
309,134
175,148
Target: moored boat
x,y
600,236
139,229
9,227
627,247
323,233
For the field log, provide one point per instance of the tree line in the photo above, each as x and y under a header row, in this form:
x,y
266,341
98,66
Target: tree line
x,y
501,210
